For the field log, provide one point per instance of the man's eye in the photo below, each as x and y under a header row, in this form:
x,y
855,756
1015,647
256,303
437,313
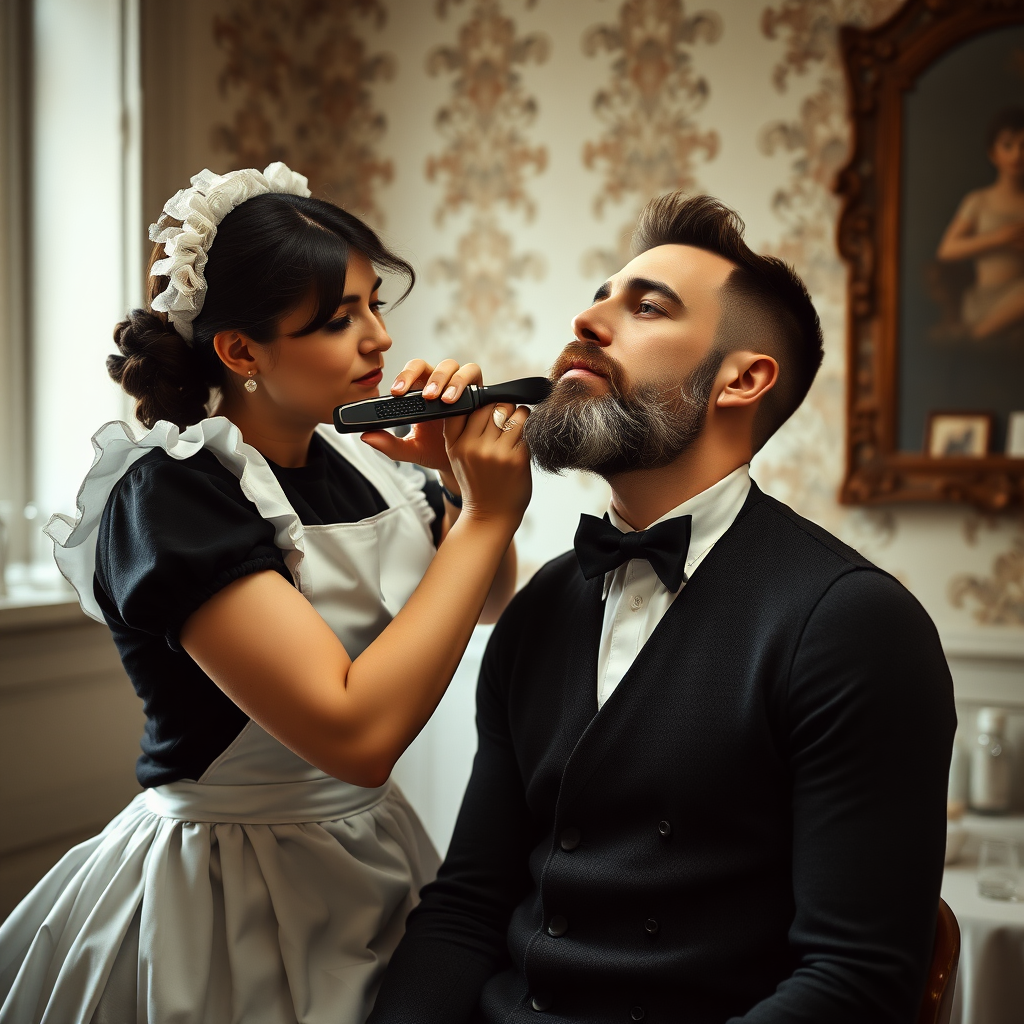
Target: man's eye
x,y
647,307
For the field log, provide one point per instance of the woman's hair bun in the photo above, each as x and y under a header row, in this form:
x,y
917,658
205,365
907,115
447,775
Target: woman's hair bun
x,y
159,369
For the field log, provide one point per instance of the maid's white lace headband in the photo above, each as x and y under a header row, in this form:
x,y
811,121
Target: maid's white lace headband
x,y
200,209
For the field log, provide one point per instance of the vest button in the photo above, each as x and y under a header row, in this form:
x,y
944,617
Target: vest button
x,y
570,838
637,1013
541,1002
665,828
651,926
557,926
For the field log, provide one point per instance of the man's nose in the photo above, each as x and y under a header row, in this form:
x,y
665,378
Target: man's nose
x,y
590,326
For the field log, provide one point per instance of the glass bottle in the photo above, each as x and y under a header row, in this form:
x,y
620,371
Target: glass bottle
x,y
990,764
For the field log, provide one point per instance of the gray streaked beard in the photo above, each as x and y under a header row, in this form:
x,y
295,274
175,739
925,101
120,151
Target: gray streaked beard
x,y
647,427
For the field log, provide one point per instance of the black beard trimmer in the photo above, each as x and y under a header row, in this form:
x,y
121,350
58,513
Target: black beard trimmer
x,y
383,413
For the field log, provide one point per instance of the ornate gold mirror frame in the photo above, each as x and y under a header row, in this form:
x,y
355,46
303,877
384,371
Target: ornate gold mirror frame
x,y
882,64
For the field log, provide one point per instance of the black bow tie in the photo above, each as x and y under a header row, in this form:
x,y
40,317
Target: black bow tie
x,y
600,548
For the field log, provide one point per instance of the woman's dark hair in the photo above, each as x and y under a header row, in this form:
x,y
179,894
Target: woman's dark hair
x,y
1009,119
764,302
269,254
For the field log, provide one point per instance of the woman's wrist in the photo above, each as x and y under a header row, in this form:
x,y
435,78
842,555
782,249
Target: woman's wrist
x,y
500,526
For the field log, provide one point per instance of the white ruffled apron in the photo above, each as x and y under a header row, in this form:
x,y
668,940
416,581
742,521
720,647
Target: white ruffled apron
x,y
265,892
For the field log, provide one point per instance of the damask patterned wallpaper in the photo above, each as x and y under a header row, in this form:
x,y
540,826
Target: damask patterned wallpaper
x,y
506,145
650,138
299,80
486,162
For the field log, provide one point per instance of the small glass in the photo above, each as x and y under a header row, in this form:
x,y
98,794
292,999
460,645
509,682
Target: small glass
x,y
999,870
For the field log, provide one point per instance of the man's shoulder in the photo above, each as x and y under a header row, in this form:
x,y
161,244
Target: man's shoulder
x,y
554,582
562,570
555,587
836,579
763,516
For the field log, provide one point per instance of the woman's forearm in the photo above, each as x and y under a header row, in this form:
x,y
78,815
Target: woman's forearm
x,y
268,649
504,586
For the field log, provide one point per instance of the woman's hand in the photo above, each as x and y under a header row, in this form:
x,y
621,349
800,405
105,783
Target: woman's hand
x,y
424,444
490,462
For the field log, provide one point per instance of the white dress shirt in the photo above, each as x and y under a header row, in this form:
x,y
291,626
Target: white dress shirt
x,y
635,599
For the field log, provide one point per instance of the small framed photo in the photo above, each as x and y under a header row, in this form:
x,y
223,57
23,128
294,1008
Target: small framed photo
x,y
958,435
1015,435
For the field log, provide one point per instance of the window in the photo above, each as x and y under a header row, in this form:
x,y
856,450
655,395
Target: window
x,y
14,454
72,231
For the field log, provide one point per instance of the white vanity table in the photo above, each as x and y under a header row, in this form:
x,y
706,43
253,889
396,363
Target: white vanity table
x,y
988,670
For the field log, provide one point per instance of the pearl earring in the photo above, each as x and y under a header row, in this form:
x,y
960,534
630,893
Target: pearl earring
x,y
250,384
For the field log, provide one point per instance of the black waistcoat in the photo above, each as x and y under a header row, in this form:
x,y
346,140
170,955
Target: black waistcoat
x,y
748,817
679,788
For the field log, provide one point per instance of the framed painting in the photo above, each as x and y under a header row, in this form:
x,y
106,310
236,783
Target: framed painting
x,y
932,228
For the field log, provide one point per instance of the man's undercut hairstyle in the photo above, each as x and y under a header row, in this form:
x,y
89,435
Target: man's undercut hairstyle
x,y
765,306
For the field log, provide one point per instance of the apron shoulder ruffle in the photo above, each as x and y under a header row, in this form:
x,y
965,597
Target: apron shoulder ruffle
x,y
117,448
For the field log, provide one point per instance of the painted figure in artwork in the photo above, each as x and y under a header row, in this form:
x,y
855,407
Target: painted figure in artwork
x,y
988,231
290,604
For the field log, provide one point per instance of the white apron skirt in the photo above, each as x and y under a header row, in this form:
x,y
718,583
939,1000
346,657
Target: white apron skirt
x,y
265,892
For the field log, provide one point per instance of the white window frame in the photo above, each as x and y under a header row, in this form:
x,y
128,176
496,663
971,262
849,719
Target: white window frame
x,y
70,250
15,454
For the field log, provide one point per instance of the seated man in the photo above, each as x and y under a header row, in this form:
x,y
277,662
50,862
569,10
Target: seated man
x,y
711,776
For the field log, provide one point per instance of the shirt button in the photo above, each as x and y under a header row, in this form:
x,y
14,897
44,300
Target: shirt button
x,y
541,1002
636,601
637,1013
570,838
665,828
651,926
557,926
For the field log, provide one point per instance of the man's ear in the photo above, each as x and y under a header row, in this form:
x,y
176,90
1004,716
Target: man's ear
x,y
748,377
234,350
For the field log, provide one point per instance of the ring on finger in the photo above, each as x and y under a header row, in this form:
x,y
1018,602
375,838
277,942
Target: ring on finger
x,y
509,424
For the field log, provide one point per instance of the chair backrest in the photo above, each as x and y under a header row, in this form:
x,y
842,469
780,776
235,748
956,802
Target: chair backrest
x,y
937,1004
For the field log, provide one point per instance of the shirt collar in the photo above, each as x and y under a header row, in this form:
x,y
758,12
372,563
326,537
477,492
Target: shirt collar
x,y
714,510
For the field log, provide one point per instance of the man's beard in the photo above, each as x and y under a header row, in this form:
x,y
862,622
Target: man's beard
x,y
630,427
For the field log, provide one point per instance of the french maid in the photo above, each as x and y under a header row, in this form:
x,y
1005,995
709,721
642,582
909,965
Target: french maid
x,y
289,604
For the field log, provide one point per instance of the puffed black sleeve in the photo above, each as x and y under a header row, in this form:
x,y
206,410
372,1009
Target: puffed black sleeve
x,y
174,533
455,940
870,731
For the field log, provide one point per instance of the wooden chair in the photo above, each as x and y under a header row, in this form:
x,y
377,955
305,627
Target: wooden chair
x,y
937,1004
